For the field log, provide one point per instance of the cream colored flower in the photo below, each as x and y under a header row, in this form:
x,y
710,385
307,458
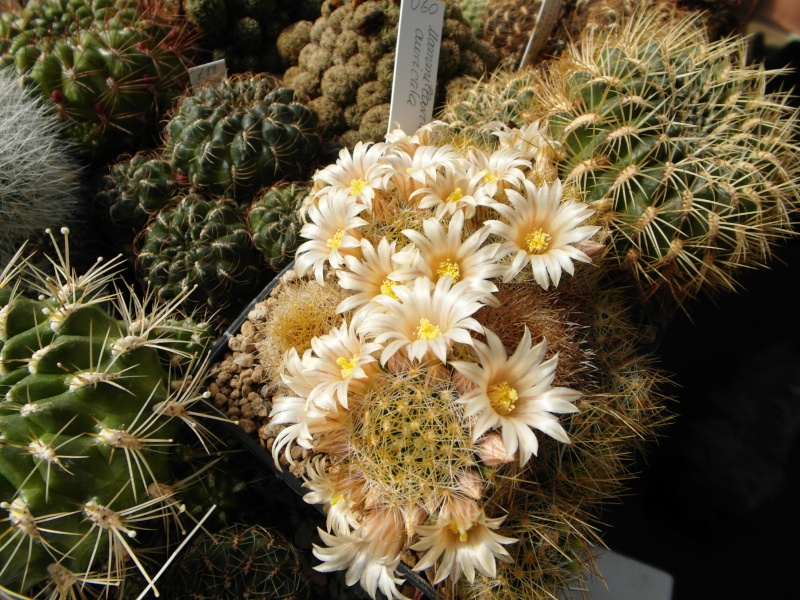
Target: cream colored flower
x,y
358,174
451,190
423,136
501,170
542,230
515,394
425,318
335,491
332,233
368,276
462,543
443,253
341,362
428,160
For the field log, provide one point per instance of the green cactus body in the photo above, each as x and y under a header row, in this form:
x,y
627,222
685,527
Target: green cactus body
x,y
86,415
109,68
275,222
240,134
135,188
202,246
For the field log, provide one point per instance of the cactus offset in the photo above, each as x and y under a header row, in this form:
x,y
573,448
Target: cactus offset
x,y
274,219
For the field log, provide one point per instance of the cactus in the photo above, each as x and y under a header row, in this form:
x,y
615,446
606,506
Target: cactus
x,y
240,562
133,189
347,60
88,411
39,177
274,219
240,134
200,246
110,69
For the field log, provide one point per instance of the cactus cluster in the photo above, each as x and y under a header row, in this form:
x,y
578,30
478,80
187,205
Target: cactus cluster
x,y
109,68
345,63
274,220
92,415
39,176
244,32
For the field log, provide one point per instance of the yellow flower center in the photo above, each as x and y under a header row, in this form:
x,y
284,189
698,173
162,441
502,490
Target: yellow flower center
x,y
427,330
336,499
462,534
409,170
347,365
356,185
455,195
502,397
386,288
489,178
537,241
334,242
447,267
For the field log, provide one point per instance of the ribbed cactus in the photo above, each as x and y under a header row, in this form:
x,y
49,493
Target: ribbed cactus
x,y
275,222
240,134
89,420
110,68
39,177
239,562
201,246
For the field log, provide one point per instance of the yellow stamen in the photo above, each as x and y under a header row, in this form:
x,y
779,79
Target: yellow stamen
x,y
455,195
502,397
356,185
427,330
537,241
347,365
489,178
386,288
334,242
463,536
447,267
336,499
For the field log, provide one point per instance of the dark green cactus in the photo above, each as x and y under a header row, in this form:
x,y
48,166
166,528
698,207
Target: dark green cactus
x,y
240,134
275,222
202,247
87,413
109,68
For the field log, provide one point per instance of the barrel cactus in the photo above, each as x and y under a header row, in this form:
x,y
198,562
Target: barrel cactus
x,y
201,246
240,134
275,222
88,409
110,68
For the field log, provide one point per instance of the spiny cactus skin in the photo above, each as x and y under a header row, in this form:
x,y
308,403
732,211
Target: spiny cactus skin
x,y
86,412
347,60
244,32
677,142
134,188
199,242
240,134
240,562
474,11
109,68
39,176
275,223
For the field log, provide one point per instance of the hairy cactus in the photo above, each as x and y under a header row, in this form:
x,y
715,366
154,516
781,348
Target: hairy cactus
x,y
274,219
347,60
240,562
240,134
88,410
133,189
202,247
244,32
39,177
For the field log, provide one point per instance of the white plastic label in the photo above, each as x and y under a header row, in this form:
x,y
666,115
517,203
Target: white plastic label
x,y
208,73
416,63
545,21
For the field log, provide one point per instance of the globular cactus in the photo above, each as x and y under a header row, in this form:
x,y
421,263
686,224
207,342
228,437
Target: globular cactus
x,y
240,134
201,246
90,420
275,222
240,562
39,176
346,63
133,189
110,69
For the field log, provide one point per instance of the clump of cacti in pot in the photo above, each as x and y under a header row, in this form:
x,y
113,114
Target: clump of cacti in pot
x,y
110,69
91,415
